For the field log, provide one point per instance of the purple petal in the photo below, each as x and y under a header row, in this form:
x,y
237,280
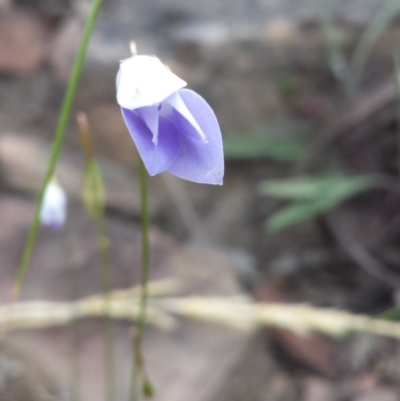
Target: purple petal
x,y
156,158
198,161
149,115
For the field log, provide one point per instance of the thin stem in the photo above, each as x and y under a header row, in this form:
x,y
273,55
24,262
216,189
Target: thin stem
x,y
57,142
75,371
134,392
108,325
396,61
138,362
145,250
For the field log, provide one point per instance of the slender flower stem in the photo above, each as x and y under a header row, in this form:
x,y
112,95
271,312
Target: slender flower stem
x,y
57,142
108,324
138,365
145,251
396,62
74,346
134,392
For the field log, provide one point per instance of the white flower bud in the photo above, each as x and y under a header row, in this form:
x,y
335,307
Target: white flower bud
x,y
145,81
54,209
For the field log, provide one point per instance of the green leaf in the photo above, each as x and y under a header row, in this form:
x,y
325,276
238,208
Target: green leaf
x,y
281,141
380,21
315,187
294,214
314,196
391,314
302,188
93,191
243,148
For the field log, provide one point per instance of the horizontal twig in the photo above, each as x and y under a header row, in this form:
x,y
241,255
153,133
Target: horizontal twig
x,y
238,312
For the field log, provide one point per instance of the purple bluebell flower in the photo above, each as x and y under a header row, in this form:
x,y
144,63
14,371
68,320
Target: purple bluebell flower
x,y
53,213
174,129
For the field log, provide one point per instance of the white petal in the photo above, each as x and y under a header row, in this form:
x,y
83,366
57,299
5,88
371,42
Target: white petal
x,y
145,81
54,210
178,104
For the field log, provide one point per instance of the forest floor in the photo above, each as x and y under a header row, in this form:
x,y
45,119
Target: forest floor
x,y
346,259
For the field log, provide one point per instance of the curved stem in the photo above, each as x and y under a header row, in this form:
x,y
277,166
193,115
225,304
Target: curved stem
x,y
57,142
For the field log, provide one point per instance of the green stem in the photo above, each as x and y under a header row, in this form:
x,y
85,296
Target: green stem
x,y
135,374
58,140
145,251
138,365
396,62
108,325
75,371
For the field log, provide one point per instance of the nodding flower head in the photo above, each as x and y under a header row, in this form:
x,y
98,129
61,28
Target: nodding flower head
x,y
174,129
53,213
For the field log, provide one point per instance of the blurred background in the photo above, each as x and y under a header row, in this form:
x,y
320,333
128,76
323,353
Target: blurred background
x,y
307,96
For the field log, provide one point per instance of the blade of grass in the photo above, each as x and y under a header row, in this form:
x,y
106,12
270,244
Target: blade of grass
x,y
315,187
382,19
297,213
315,198
336,58
57,142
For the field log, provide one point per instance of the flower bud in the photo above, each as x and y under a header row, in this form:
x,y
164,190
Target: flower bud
x,y
54,208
